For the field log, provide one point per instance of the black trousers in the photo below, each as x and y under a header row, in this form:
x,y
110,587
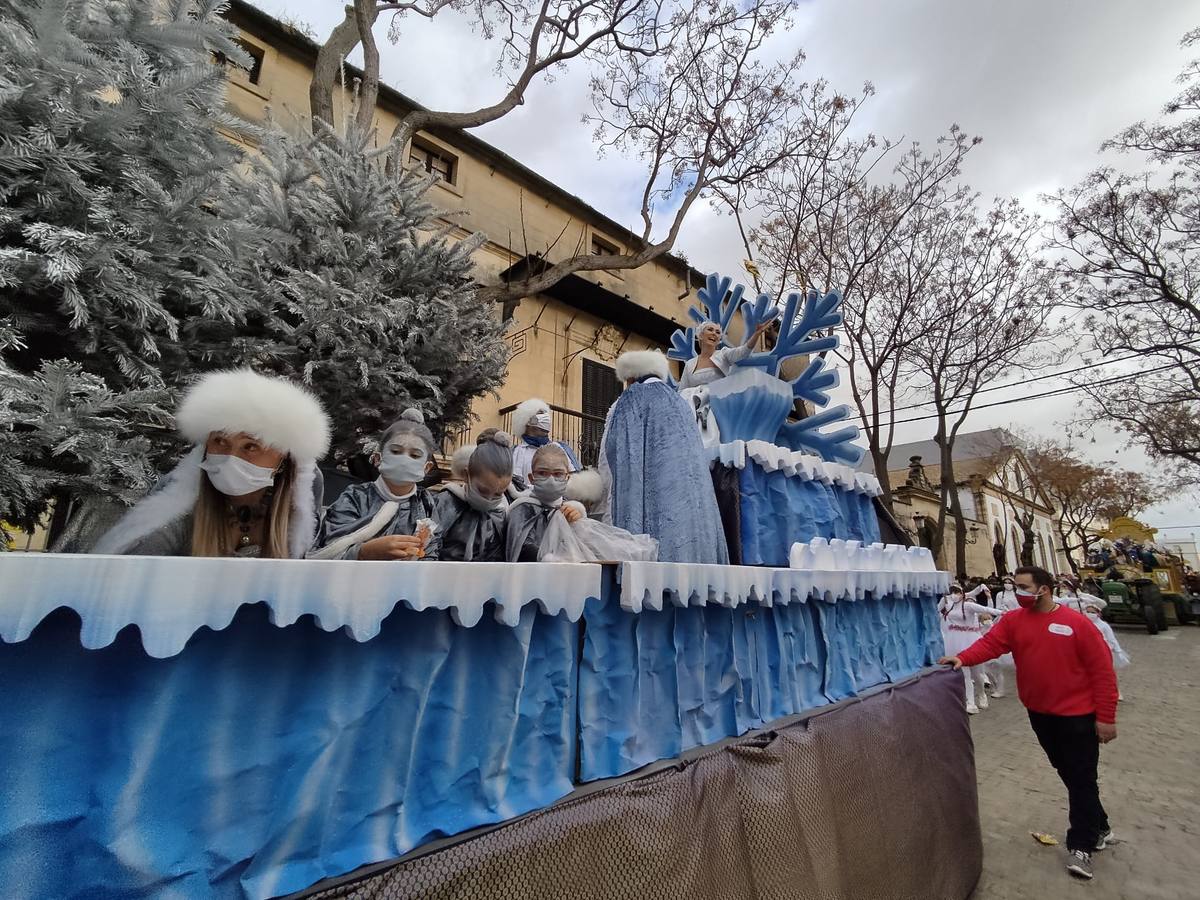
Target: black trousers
x,y
1071,744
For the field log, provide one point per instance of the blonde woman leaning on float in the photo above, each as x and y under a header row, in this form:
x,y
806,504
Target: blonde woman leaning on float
x,y
250,485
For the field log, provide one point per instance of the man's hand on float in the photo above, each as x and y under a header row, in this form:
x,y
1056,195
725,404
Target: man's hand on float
x,y
951,661
1106,731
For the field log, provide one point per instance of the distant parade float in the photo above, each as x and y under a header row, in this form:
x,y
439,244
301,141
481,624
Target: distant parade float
x,y
624,728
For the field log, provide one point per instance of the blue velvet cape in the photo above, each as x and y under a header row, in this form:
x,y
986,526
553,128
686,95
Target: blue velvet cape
x,y
660,476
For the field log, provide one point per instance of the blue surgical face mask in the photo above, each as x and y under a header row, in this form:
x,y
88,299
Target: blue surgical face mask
x,y
535,441
400,468
548,490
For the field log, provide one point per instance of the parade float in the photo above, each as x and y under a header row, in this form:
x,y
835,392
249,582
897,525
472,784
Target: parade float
x,y
235,728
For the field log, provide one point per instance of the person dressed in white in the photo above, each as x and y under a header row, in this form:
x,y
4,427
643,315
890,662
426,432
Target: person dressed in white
x,y
1006,600
710,363
998,669
960,629
1070,596
531,423
1120,657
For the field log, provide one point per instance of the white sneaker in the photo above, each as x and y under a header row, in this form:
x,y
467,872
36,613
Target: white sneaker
x,y
1107,838
971,710
982,701
1079,864
996,695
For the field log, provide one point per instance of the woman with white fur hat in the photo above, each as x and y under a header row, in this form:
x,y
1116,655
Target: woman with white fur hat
x,y
531,423
249,486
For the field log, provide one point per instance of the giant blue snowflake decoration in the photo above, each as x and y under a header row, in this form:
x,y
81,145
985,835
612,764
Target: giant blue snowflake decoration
x,y
835,446
804,327
719,304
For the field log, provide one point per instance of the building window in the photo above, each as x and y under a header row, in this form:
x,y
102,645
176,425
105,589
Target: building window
x,y
437,162
601,247
600,391
257,54
251,74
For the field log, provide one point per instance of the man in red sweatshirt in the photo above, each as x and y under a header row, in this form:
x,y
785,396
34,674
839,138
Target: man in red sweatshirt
x,y
1065,679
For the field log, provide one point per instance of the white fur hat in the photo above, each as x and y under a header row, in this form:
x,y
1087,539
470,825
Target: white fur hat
x,y
274,410
526,411
586,486
640,363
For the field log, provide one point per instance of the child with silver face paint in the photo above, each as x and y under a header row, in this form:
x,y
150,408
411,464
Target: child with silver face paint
x,y
529,514
388,518
471,514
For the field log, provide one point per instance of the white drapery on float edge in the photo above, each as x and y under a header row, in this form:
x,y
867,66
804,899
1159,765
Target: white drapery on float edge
x,y
806,466
169,599
831,570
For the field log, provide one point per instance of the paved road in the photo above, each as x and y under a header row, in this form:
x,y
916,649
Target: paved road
x,y
1149,782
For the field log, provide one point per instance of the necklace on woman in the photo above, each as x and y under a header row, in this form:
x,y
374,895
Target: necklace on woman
x,y
246,517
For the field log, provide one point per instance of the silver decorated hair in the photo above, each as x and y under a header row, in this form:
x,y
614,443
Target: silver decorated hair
x,y
493,454
411,422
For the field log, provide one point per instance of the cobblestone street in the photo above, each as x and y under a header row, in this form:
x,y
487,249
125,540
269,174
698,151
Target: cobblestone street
x,y
1149,781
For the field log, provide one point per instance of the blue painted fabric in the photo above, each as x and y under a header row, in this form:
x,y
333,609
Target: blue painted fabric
x,y
262,759
778,510
661,484
655,684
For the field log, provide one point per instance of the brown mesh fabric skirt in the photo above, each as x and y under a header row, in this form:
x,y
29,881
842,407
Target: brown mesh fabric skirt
x,y
873,799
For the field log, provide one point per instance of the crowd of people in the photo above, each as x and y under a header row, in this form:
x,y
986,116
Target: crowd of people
x,y
969,613
250,486
1126,552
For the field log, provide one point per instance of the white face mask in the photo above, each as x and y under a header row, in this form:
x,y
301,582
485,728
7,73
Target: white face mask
x,y
547,490
479,502
234,477
541,420
400,468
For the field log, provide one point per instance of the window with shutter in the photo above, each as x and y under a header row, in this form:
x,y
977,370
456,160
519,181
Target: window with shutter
x,y
600,391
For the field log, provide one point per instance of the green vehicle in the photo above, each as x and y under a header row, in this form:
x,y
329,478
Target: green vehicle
x,y
1135,602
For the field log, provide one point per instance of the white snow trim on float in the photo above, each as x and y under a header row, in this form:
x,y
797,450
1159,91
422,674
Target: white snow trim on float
x,y
797,464
170,598
827,570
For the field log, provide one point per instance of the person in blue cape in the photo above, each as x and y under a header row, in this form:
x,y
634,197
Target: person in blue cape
x,y
657,469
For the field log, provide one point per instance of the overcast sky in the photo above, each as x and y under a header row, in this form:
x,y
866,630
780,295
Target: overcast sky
x,y
1043,82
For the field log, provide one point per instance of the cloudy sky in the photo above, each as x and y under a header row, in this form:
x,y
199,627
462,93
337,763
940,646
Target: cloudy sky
x,y
1043,83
